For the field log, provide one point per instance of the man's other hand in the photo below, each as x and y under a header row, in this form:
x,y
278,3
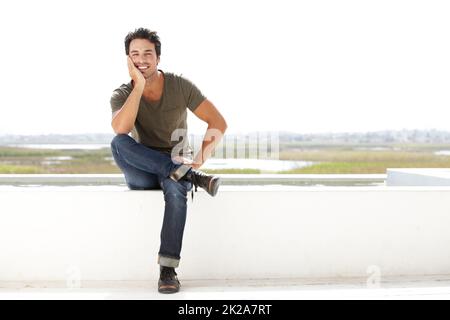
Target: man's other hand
x,y
186,161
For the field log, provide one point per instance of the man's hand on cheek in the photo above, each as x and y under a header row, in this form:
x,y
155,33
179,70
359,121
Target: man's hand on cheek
x,y
134,72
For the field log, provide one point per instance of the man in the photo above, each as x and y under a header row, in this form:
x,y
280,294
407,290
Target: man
x,y
153,107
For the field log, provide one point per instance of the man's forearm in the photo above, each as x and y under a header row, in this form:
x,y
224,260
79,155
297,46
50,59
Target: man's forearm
x,y
123,121
212,138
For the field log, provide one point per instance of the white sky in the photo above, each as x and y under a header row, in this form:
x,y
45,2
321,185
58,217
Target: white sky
x,y
302,66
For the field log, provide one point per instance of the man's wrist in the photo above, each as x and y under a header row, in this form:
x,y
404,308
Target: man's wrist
x,y
139,86
196,164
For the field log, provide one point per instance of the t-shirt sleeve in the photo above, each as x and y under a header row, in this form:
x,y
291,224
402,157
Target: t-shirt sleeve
x,y
117,101
192,95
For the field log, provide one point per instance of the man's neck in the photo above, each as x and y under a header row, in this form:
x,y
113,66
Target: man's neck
x,y
154,85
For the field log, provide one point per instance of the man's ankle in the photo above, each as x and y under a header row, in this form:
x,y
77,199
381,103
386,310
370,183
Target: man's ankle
x,y
180,172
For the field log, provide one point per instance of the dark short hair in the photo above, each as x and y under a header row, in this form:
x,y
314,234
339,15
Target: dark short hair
x,y
143,33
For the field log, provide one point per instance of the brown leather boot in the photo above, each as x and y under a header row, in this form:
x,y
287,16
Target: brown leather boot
x,y
206,181
168,281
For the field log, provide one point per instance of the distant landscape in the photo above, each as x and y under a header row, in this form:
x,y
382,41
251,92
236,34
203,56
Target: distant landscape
x,y
327,153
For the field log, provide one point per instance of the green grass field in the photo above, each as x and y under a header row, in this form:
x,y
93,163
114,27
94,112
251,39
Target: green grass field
x,y
347,160
328,159
18,160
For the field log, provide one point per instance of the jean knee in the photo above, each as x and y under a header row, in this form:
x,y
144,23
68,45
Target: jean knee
x,y
119,139
173,189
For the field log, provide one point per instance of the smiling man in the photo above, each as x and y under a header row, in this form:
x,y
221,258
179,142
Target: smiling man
x,y
153,107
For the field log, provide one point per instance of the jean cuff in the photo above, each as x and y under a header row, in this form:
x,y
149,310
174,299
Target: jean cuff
x,y
179,173
168,261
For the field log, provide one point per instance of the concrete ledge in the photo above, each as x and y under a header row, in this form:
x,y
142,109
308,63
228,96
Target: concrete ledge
x,y
244,233
418,177
228,179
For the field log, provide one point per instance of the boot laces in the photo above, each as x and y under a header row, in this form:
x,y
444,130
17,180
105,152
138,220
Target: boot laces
x,y
196,180
195,177
168,274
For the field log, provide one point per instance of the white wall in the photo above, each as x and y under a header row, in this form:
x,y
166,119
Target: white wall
x,y
244,232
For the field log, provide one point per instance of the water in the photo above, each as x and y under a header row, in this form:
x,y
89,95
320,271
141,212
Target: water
x,y
55,160
376,149
212,163
259,164
442,153
59,158
61,146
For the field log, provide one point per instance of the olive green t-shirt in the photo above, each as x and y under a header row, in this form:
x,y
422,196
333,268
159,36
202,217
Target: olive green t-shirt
x,y
156,121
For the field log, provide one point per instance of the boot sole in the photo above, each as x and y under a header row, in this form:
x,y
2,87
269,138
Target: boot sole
x,y
168,290
214,186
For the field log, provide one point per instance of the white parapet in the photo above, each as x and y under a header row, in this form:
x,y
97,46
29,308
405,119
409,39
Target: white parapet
x,y
228,179
418,177
253,232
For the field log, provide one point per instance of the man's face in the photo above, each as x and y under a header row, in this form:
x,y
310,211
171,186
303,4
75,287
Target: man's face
x,y
143,55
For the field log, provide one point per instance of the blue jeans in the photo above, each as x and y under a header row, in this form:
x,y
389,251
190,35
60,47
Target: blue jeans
x,y
148,169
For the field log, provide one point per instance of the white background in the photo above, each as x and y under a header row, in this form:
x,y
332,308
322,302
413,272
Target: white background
x,y
303,66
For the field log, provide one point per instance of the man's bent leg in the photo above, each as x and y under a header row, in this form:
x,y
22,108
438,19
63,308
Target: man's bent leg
x,y
136,179
175,197
146,159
